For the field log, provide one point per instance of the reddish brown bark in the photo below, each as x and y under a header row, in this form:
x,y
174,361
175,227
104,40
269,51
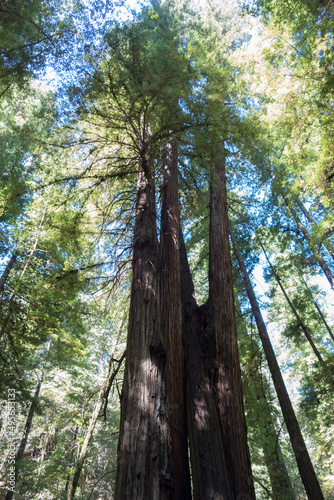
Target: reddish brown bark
x,y
221,302
209,471
172,323
142,468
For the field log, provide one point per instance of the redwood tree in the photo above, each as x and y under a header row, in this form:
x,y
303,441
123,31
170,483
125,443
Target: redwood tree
x,y
143,469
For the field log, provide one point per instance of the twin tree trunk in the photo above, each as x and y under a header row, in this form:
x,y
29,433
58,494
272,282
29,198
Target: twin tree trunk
x,y
182,375
143,468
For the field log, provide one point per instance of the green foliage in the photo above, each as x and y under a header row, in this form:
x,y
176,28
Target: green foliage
x,y
29,32
68,194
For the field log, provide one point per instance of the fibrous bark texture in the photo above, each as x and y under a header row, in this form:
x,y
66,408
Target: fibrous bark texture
x,y
143,469
221,302
171,320
209,471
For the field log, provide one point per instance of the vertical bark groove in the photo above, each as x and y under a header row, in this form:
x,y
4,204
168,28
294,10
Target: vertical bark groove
x,y
221,302
142,468
205,442
170,288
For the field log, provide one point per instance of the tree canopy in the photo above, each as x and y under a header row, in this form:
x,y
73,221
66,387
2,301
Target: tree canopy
x,y
156,161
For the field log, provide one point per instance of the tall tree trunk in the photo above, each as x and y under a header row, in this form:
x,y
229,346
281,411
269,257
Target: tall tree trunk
x,y
317,255
171,320
326,243
321,314
27,426
300,322
279,478
19,282
71,454
206,447
142,466
7,270
75,476
221,304
304,463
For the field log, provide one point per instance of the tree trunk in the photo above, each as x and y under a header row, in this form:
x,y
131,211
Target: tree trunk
x,y
171,320
221,305
326,243
27,427
279,478
206,447
301,324
7,270
75,476
304,463
317,255
142,466
18,285
321,314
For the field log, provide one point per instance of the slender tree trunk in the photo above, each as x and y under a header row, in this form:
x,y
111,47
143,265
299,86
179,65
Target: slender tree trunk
x,y
221,303
301,324
206,447
171,320
314,302
71,457
27,427
75,476
326,243
18,285
142,466
317,255
7,270
279,478
304,463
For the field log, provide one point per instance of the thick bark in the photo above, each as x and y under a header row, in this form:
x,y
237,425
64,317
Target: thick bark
x,y
171,320
300,322
304,463
208,464
221,305
142,466
7,270
27,426
75,476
